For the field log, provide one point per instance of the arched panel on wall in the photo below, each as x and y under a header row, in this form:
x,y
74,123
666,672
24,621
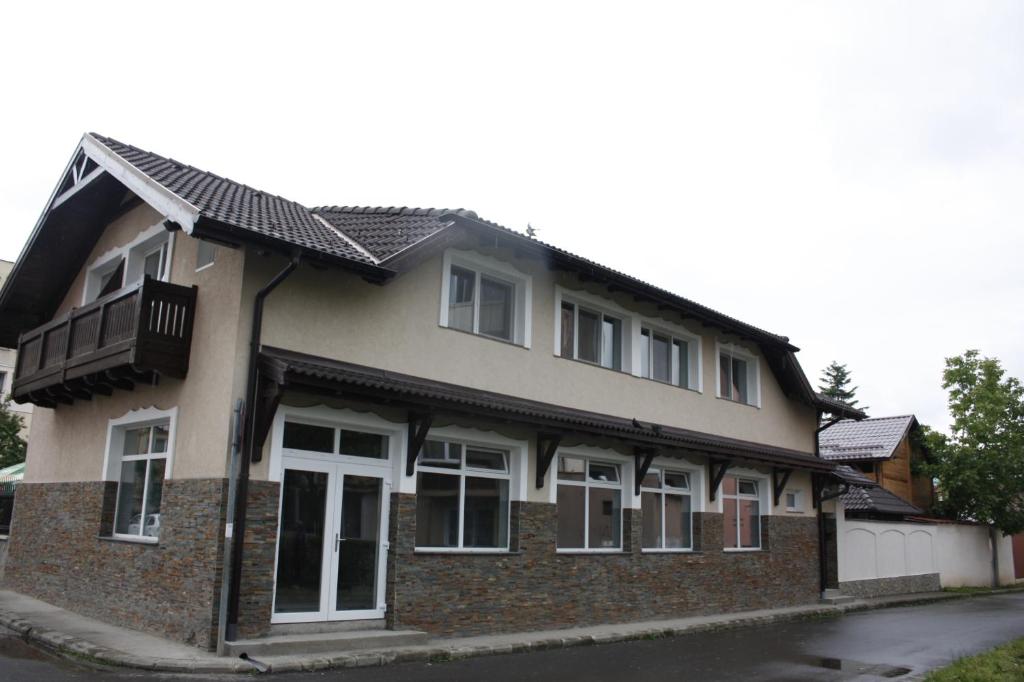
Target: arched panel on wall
x,y
860,553
892,554
920,553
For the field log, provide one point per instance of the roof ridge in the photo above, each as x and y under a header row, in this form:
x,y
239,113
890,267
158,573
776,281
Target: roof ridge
x,y
393,210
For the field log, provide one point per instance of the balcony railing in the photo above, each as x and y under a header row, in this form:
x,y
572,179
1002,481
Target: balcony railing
x,y
113,342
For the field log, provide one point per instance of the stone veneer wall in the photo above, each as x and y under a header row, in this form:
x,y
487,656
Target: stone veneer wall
x,y
58,553
903,584
256,596
534,587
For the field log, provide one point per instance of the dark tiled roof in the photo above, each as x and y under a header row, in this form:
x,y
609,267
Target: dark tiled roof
x,y
866,439
386,231
870,497
239,205
837,407
459,398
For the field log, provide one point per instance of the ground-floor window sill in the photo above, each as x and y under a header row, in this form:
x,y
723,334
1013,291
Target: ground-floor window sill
x,y
593,552
129,541
743,550
465,552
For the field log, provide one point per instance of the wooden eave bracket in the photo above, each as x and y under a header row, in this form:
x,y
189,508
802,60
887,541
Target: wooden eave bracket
x,y
642,458
547,446
271,383
780,477
419,427
718,468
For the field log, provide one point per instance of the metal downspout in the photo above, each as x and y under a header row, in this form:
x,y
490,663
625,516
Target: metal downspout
x,y
820,499
242,488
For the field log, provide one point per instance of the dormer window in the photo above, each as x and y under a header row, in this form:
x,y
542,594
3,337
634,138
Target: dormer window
x,y
591,336
483,296
738,376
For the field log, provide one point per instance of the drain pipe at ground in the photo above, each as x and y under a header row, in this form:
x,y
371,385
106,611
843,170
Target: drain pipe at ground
x,y
248,449
225,587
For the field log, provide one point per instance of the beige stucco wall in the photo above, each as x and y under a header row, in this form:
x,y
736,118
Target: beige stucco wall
x,y
67,443
396,326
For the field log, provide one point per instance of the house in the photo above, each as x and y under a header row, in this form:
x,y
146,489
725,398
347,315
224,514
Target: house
x,y
255,415
886,450
8,360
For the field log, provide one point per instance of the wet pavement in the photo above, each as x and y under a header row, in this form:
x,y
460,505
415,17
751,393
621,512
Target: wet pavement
x,y
895,643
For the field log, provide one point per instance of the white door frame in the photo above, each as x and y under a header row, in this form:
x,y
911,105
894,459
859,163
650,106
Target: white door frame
x,y
336,466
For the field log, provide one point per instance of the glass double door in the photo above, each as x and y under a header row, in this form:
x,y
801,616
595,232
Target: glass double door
x,y
331,542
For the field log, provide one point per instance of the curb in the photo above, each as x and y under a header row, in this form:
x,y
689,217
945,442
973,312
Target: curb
x,y
76,648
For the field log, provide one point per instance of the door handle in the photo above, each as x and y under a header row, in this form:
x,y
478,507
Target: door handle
x,y
337,541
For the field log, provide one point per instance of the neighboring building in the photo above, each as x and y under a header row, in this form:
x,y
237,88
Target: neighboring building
x,y
886,451
8,359
453,427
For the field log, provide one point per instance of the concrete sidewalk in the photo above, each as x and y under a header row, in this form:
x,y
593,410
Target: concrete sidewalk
x,y
72,635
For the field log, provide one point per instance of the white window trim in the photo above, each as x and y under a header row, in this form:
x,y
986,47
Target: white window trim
x,y
99,265
115,443
322,415
627,500
480,264
764,500
518,451
675,332
598,305
745,355
462,472
693,493
798,506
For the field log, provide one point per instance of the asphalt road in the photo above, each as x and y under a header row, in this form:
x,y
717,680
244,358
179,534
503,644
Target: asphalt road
x,y
885,644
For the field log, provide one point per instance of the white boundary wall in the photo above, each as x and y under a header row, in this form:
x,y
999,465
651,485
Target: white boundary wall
x,y
959,553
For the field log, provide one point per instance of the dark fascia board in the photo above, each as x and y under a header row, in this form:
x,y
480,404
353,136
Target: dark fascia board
x,y
224,233
374,383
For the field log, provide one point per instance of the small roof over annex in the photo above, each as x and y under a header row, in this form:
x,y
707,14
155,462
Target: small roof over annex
x,y
867,439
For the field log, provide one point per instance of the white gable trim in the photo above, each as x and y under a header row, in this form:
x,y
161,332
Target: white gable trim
x,y
153,193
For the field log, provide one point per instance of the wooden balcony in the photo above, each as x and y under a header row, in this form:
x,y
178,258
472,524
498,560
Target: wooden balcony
x,y
132,335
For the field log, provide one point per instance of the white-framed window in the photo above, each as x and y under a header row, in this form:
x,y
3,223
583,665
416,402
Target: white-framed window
x,y
484,296
590,335
462,496
589,504
738,376
206,254
669,358
307,435
667,510
741,512
3,385
792,500
149,254
140,450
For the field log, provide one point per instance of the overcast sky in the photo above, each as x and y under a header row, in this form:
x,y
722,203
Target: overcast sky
x,y
848,174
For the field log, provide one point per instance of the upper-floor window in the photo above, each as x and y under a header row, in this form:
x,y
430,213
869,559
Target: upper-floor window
x,y
591,336
741,511
668,358
589,504
462,496
485,297
147,256
738,378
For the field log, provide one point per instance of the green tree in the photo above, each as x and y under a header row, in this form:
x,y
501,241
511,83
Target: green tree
x,y
835,382
980,465
12,445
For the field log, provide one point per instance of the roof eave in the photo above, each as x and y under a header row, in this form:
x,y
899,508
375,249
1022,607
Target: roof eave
x,y
230,234
149,190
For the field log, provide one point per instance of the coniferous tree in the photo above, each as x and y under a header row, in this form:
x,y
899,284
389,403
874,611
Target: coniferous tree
x,y
836,384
